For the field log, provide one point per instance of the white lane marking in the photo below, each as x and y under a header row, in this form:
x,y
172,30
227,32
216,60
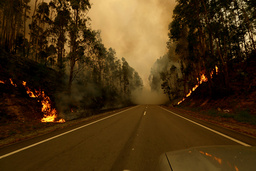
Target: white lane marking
x,y
228,137
35,144
145,113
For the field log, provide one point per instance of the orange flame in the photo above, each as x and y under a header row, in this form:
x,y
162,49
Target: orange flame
x,y
3,82
50,114
203,78
12,83
46,109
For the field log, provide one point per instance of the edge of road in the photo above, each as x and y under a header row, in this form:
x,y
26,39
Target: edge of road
x,y
235,136
57,132
16,147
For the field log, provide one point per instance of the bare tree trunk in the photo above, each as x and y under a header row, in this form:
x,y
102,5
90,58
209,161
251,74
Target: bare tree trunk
x,y
224,64
35,7
24,23
250,32
73,52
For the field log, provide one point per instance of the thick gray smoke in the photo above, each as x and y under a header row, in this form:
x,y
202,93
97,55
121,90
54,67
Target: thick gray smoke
x,y
146,96
136,29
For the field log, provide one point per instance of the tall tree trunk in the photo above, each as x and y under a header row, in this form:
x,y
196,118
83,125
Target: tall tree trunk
x,y
24,33
250,30
73,51
224,64
72,65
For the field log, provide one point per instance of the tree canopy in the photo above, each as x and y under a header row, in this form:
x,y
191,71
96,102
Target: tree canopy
x,y
60,37
209,36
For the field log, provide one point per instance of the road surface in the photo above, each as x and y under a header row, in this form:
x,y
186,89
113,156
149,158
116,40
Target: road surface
x,y
129,140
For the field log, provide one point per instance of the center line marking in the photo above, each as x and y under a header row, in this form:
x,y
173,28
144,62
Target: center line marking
x,y
145,113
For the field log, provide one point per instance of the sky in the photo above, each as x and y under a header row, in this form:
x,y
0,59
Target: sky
x,y
136,29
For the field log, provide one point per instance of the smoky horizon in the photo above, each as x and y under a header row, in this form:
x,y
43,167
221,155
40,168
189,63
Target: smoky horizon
x,y
137,30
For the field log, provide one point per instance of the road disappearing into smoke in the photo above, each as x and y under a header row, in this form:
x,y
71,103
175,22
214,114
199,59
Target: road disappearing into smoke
x,y
146,96
132,139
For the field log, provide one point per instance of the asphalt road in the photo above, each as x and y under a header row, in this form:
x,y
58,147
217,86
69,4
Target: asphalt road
x,y
129,140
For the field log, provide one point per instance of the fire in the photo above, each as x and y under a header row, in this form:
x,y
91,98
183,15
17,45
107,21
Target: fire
x,y
202,79
50,114
29,92
12,83
217,70
3,82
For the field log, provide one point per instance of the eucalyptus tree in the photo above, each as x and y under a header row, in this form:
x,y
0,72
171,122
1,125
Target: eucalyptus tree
x,y
209,33
60,28
39,32
11,13
77,23
109,68
26,12
125,76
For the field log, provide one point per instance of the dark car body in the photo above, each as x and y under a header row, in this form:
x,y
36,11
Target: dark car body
x,y
214,158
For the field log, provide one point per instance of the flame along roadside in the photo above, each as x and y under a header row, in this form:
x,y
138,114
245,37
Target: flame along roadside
x,y
50,114
202,79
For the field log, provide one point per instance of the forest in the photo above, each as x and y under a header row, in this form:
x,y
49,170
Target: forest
x,y
57,35
211,45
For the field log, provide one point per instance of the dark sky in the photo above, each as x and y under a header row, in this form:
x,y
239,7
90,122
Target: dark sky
x,y
136,29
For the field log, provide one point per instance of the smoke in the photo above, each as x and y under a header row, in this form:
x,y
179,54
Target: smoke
x,y
74,106
146,96
137,30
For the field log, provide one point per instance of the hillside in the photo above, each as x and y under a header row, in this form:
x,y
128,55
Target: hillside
x,y
238,103
17,109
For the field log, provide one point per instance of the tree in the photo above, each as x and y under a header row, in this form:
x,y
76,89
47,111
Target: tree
x,y
40,32
59,29
78,21
11,23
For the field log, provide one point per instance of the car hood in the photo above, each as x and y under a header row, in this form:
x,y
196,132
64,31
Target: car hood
x,y
210,158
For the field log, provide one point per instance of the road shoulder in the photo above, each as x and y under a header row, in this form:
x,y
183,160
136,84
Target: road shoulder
x,y
234,129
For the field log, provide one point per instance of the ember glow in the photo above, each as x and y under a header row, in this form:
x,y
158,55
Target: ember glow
x,y
202,79
50,114
12,83
217,70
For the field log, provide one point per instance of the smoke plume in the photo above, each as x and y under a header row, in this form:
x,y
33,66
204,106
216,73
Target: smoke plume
x,y
137,30
146,96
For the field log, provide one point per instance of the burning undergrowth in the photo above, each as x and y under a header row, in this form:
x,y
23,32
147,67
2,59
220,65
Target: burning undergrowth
x,y
49,113
200,80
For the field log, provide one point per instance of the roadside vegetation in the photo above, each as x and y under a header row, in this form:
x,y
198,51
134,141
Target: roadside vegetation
x,y
52,48
211,59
